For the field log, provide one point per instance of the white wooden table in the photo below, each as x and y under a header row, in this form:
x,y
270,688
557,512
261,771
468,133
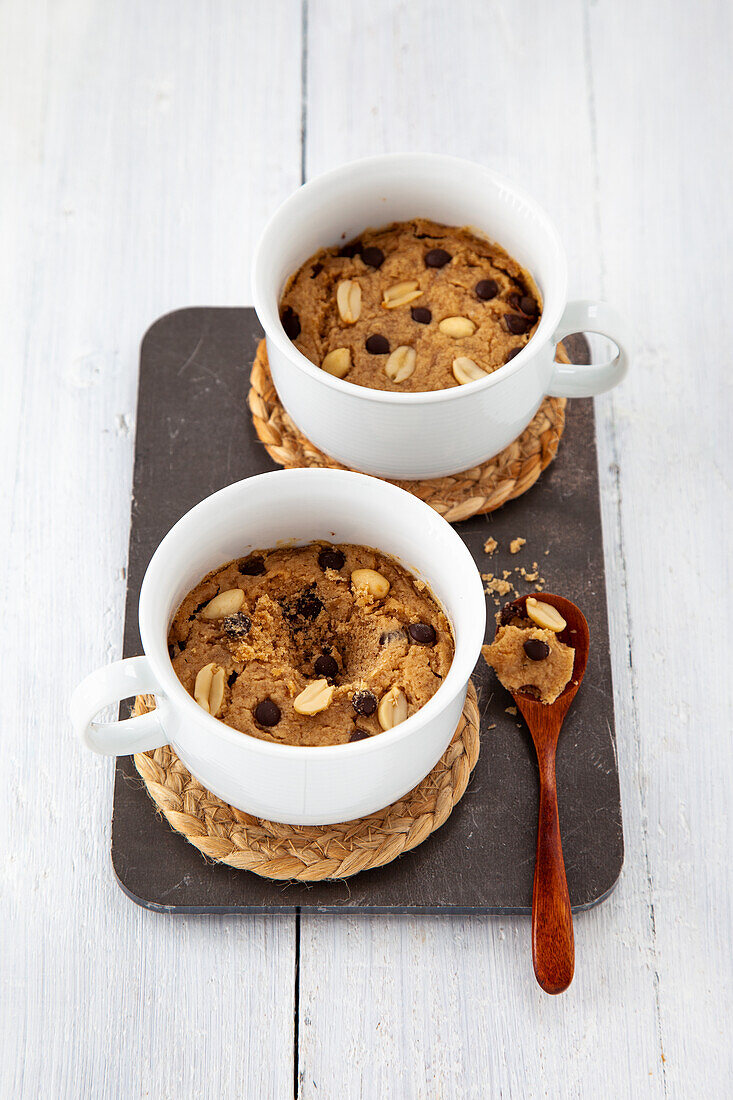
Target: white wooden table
x,y
143,146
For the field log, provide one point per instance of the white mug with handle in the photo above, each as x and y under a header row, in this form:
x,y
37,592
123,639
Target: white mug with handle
x,y
442,432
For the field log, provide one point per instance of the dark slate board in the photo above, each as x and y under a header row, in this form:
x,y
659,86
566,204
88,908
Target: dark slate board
x,y
193,437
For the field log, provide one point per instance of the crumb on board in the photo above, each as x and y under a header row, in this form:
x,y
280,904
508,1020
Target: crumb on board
x,y
497,584
516,545
511,710
490,545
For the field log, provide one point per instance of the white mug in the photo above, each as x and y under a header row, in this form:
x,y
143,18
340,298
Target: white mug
x,y
299,786
425,435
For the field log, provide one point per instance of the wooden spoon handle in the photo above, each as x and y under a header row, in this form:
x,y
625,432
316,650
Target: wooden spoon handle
x,y
553,946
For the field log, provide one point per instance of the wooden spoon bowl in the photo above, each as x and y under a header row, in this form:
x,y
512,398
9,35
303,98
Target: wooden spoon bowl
x,y
553,947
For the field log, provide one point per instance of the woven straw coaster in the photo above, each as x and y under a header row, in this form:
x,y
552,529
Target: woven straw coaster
x,y
473,492
309,853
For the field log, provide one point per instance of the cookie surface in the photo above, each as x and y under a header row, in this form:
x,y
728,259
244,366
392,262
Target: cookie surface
x,y
305,646
410,307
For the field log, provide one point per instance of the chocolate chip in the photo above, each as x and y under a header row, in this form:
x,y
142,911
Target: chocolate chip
x,y
422,633
290,322
422,315
372,256
232,679
350,250
377,345
389,636
172,652
536,649
236,626
364,703
331,559
508,612
252,567
516,324
487,289
437,257
267,713
359,735
316,270
528,305
326,665
308,605
511,353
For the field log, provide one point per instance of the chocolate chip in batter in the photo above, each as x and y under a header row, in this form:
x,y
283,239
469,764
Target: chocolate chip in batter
x,y
511,353
364,703
350,250
267,713
308,605
232,679
422,633
172,652
359,735
331,559
377,344
508,612
387,637
326,665
437,257
528,305
316,270
236,626
290,322
422,315
253,567
487,289
372,256
516,324
536,649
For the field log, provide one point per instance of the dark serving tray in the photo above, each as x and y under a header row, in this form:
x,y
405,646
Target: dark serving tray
x,y
194,436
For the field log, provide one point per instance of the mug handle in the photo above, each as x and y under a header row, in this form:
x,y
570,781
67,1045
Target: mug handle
x,y
589,379
133,676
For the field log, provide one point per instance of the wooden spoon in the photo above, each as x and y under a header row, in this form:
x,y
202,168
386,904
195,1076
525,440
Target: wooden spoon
x,y
553,947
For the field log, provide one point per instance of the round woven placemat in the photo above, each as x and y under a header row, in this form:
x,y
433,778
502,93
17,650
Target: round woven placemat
x,y
475,491
309,853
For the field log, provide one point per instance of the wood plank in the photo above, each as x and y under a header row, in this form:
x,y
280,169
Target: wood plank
x,y
419,1007
664,180
148,143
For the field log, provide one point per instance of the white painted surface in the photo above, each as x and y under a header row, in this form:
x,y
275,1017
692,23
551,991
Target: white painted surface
x,y
143,145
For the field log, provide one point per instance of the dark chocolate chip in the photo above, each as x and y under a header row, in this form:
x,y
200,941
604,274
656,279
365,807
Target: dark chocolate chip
x,y
172,652
308,605
516,324
508,612
536,649
267,713
372,256
232,679
422,315
422,633
437,257
291,323
253,567
316,270
331,559
236,626
359,735
528,306
377,344
326,665
389,636
511,353
487,289
350,250
364,703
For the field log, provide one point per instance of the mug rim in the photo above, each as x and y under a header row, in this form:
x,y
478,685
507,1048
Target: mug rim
x,y
175,693
270,318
